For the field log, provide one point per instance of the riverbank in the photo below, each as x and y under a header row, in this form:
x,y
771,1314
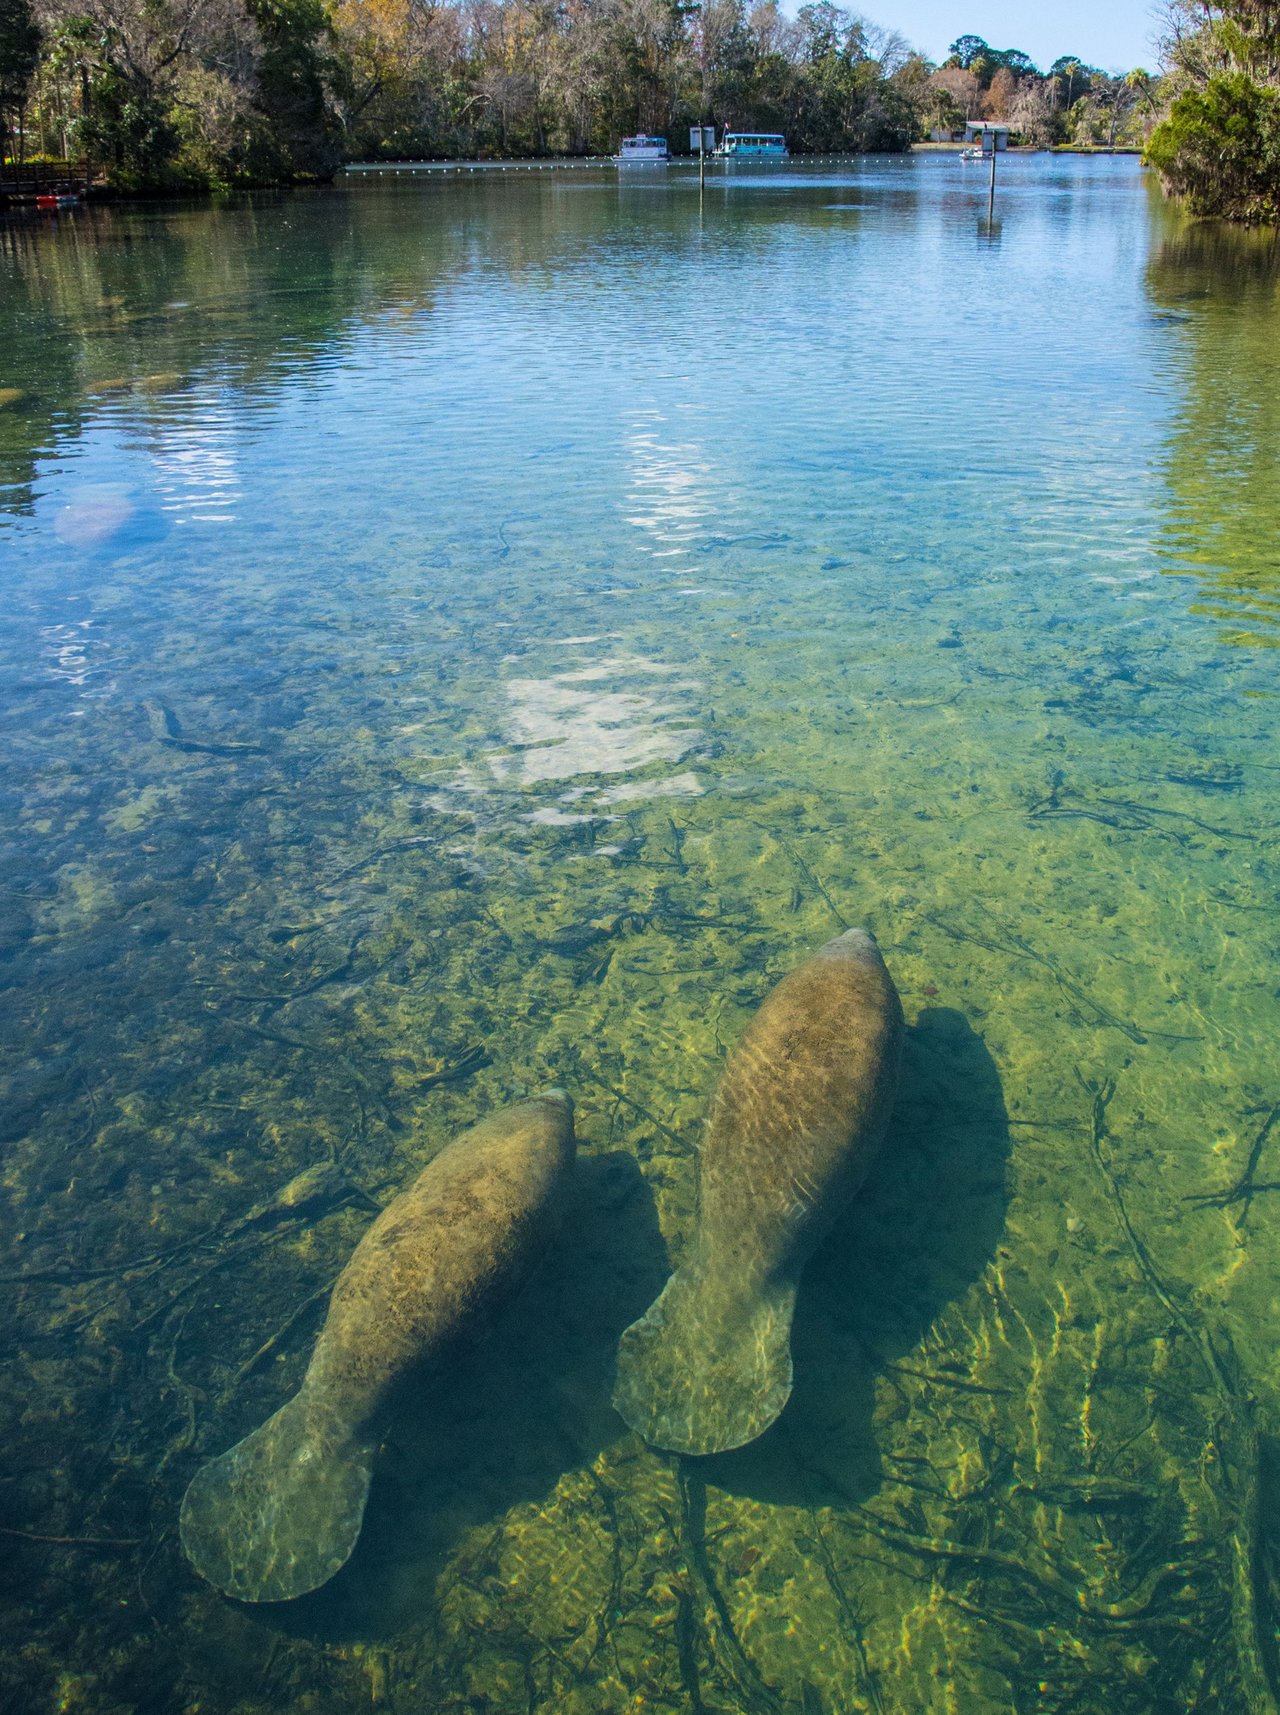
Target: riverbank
x,y
29,185
931,148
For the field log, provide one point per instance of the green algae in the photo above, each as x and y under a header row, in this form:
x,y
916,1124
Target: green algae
x,y
386,880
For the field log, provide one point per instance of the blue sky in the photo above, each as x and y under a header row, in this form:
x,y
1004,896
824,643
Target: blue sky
x,y
1114,34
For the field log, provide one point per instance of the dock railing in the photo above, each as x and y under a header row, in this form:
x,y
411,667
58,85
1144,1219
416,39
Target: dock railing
x,y
24,181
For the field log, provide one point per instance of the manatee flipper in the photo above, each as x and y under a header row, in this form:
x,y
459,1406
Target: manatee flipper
x,y
280,1512
706,1369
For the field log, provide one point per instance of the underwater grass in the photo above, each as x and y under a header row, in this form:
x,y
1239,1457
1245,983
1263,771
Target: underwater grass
x,y
352,845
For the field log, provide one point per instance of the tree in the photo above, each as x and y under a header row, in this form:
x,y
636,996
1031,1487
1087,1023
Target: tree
x,y
971,53
965,49
170,92
960,89
1219,149
19,56
725,54
292,93
1020,64
1143,85
1032,114
122,61
825,30
152,90
1000,95
1219,145
890,49
1111,100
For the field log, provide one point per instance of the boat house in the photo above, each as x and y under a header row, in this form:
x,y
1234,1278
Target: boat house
x,y
976,130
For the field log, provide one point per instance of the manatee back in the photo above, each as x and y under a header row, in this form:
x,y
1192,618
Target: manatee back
x,y
798,1115
801,1109
440,1260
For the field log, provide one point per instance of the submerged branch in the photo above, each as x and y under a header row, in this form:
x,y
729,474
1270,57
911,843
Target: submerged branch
x,y
1247,1186
755,1695
74,1541
1239,1450
269,1345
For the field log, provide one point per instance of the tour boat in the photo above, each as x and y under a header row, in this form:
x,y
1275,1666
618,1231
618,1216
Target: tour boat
x,y
766,145
643,150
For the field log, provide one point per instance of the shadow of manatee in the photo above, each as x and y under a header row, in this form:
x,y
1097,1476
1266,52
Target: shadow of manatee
x,y
921,1231
501,1423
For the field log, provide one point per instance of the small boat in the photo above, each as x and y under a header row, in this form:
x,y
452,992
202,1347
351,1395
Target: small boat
x,y
643,150
971,154
765,145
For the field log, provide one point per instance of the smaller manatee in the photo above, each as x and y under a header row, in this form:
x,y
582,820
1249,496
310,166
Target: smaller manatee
x,y
798,1115
280,1512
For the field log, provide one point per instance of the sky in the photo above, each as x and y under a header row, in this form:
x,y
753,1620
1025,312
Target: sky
x,y
1114,34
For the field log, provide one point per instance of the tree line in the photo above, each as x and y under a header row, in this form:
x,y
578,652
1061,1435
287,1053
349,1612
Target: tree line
x,y
1072,102
205,92
197,93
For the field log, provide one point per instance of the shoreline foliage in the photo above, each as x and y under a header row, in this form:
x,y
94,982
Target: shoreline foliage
x,y
174,94
1218,148
1073,104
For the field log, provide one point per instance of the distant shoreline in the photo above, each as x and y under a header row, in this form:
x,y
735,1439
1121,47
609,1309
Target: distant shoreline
x,y
98,193
465,164
1026,149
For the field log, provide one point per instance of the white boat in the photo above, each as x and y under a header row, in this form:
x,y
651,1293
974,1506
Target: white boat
x,y
643,150
971,154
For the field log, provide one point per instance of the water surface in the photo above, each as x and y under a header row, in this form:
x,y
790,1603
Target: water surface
x,y
461,636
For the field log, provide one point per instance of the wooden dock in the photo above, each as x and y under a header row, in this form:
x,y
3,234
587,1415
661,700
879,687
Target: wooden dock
x,y
36,182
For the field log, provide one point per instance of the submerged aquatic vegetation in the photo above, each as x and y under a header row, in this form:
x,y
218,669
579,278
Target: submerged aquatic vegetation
x,y
538,758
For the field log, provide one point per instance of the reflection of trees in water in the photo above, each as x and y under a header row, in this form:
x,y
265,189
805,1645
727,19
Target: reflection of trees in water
x,y
1224,520
115,309
125,301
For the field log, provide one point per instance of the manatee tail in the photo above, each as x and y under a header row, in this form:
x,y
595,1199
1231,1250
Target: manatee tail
x,y
280,1513
704,1370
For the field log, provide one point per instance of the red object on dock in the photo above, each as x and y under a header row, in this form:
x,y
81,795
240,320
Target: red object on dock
x,y
46,184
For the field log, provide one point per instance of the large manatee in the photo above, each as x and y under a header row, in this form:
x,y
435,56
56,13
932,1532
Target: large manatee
x,y
280,1513
798,1115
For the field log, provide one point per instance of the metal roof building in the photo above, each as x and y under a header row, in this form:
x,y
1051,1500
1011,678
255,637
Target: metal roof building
x,y
975,129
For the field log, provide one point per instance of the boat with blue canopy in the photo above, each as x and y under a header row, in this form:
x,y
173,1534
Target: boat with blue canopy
x,y
761,145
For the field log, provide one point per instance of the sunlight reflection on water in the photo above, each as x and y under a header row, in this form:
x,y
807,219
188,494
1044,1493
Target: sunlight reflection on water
x,y
463,637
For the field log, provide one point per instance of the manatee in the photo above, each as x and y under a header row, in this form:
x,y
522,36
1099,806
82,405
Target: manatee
x,y
280,1513
97,514
795,1123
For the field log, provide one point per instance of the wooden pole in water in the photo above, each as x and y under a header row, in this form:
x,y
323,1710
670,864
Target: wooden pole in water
x,y
991,189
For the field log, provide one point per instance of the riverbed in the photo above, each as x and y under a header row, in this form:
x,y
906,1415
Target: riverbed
x,y
469,634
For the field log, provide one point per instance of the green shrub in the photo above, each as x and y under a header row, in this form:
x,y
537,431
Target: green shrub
x,y
1219,149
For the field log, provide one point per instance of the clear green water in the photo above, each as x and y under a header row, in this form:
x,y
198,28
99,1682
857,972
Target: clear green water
x,y
461,636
